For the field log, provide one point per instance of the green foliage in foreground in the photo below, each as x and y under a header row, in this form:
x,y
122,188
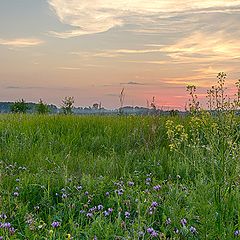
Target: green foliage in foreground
x,y
69,177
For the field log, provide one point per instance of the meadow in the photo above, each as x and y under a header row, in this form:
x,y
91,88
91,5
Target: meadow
x,y
122,177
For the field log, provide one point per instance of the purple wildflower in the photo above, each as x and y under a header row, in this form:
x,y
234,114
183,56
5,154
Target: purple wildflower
x,y
106,213
12,231
183,222
1,238
86,193
157,187
100,207
154,234
93,209
107,194
154,204
127,214
110,210
130,184
168,221
237,233
120,192
176,230
15,194
55,224
148,180
3,216
79,188
193,230
150,230
7,225
89,215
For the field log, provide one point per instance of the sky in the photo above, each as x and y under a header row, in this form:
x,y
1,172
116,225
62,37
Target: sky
x,y
91,49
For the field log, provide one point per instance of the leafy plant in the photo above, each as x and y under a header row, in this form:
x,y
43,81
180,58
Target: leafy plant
x,y
19,106
42,108
67,105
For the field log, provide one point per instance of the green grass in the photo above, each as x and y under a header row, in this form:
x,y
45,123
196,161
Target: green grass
x,y
45,159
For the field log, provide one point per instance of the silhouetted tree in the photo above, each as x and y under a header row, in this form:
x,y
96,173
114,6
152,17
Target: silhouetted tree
x,y
19,106
96,106
42,108
67,105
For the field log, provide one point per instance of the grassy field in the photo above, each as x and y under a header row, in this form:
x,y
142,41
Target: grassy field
x,y
70,177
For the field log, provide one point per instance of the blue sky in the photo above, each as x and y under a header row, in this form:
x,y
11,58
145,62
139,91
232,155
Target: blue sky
x,y
92,49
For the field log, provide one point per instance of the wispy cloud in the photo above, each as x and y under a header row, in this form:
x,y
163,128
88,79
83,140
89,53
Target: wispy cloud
x,y
21,42
204,47
133,83
92,16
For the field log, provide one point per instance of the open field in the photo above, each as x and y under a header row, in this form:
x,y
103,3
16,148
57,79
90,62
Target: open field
x,y
69,177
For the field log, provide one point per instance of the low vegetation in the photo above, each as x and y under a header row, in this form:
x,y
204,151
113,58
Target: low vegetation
x,y
69,177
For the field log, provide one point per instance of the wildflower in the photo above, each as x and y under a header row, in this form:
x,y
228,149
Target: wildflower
x,y
168,221
79,188
17,180
12,231
154,204
86,193
64,196
110,210
183,222
36,208
55,224
154,234
82,211
15,194
176,230
157,188
130,184
193,230
1,238
148,180
68,236
89,215
3,216
150,211
106,213
6,225
127,214
150,230
107,194
120,192
93,209
237,233
100,207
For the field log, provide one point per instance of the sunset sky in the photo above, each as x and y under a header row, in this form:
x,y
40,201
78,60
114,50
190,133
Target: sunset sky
x,y
91,49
